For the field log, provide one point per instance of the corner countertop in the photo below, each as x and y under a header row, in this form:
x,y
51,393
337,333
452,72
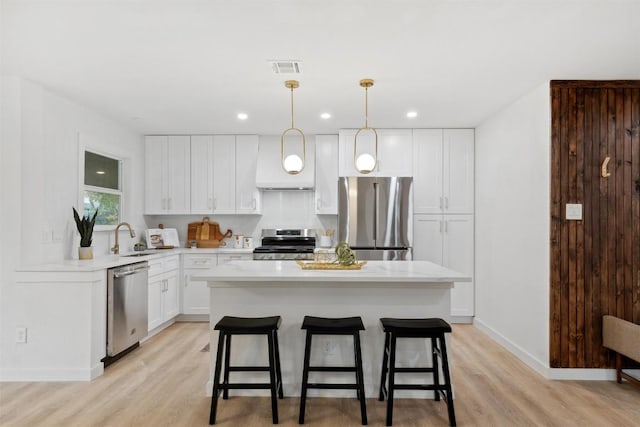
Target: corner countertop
x,y
373,271
110,261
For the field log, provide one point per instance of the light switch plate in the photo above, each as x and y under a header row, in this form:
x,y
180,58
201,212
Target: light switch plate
x,y
574,211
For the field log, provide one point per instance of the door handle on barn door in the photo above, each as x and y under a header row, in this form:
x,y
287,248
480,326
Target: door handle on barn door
x,y
604,171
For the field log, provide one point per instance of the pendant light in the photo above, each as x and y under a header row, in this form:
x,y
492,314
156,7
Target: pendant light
x,y
365,163
292,164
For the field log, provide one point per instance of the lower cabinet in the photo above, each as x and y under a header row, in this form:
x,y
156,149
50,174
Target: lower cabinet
x,y
448,240
163,298
195,295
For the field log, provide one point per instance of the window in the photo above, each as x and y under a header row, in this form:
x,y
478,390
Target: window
x,y
102,187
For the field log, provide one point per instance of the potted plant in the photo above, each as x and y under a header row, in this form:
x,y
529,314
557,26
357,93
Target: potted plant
x,y
85,228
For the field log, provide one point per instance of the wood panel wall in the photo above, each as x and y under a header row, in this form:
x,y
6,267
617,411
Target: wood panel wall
x,y
595,262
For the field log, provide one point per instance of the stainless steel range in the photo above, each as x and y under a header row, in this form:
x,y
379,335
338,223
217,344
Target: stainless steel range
x,y
286,244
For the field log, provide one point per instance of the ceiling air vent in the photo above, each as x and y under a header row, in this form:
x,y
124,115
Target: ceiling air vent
x,y
286,67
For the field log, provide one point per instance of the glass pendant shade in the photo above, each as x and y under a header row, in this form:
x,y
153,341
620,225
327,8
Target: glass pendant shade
x,y
366,162
292,164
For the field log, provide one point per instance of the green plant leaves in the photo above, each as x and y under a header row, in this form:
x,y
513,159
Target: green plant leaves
x,y
85,227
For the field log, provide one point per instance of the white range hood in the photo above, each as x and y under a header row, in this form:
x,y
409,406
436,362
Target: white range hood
x,y
269,172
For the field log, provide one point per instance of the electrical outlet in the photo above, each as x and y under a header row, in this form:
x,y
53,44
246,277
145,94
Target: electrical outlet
x,y
21,335
46,235
57,235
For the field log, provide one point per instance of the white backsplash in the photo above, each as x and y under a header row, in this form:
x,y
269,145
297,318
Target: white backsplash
x,y
280,209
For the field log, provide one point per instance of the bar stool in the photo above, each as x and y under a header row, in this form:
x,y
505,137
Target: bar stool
x,y
229,326
333,326
416,328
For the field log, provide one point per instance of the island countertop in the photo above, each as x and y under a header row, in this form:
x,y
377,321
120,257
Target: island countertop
x,y
372,272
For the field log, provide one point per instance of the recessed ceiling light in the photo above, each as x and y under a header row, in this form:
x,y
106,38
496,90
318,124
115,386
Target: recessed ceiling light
x,y
412,114
243,116
100,172
325,116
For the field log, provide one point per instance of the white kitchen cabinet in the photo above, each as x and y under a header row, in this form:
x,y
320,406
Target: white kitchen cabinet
x,y
443,171
327,174
167,174
395,150
163,296
213,167
225,258
195,296
448,240
248,197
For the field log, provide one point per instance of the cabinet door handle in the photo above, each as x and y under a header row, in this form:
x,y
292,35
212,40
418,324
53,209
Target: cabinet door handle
x,y
446,226
440,226
440,202
209,204
446,203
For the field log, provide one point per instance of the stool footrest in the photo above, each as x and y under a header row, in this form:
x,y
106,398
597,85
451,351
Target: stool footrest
x,y
248,369
245,386
330,386
419,387
331,369
412,370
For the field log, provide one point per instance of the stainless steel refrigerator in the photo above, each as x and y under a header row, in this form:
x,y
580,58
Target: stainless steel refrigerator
x,y
375,216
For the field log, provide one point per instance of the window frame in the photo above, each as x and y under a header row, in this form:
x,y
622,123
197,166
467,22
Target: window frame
x,y
82,187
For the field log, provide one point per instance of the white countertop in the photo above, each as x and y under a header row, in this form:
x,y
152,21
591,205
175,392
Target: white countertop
x,y
373,271
110,261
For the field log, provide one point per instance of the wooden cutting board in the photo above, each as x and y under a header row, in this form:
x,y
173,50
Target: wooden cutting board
x,y
206,233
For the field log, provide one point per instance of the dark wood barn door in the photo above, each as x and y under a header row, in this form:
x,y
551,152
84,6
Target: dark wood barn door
x,y
595,262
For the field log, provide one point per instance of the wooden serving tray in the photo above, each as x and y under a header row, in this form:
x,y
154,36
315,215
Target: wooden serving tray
x,y
329,266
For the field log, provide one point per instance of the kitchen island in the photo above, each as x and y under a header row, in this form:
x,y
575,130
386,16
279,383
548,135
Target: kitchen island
x,y
411,289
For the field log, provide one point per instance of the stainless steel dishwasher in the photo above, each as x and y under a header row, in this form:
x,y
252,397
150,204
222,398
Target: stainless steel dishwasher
x,y
127,306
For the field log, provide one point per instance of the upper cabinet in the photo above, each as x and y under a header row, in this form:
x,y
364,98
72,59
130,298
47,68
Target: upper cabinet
x,y
167,174
327,174
248,198
443,166
394,152
223,174
201,174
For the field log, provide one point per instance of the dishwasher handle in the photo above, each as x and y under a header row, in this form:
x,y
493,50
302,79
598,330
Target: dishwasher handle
x,y
130,272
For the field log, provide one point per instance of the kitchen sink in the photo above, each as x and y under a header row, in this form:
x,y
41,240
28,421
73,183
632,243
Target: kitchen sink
x,y
137,254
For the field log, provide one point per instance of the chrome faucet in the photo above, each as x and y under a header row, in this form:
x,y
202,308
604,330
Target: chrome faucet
x,y
116,248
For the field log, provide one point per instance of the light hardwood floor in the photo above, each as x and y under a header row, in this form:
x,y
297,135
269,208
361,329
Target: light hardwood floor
x,y
162,384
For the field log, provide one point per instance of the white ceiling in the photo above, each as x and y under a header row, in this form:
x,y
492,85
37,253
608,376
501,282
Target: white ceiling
x,y
169,66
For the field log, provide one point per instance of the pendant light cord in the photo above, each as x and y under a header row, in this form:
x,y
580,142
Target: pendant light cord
x,y
366,107
292,107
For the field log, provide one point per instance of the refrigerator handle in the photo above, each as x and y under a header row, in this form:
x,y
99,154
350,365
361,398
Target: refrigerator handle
x,y
375,214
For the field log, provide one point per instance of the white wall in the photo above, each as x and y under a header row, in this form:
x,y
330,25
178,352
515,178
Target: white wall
x,y
512,227
40,183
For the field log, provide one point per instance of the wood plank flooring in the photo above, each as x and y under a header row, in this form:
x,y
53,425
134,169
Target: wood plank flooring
x,y
162,384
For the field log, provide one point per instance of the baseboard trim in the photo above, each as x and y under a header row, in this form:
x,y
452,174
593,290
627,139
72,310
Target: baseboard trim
x,y
570,374
192,318
461,319
50,375
582,374
513,348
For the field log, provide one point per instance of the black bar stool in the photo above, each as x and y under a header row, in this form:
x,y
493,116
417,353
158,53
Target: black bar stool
x,y
416,328
329,326
229,326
